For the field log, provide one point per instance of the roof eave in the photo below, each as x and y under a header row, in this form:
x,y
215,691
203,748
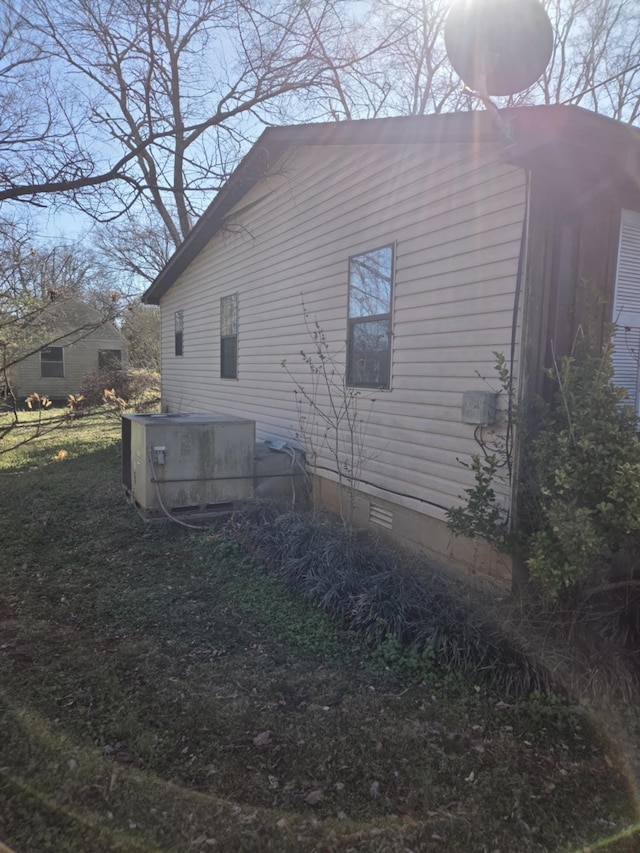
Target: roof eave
x,y
524,132
275,142
254,166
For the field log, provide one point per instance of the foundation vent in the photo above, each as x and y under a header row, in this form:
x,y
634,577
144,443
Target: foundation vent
x,y
380,516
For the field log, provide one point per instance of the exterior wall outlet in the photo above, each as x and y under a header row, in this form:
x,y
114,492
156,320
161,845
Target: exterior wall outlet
x,y
479,407
159,454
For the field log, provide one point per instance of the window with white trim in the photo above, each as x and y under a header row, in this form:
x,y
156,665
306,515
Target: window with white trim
x,y
626,308
52,362
369,324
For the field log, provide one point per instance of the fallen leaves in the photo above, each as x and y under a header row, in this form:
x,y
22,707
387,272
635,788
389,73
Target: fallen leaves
x,y
119,752
313,797
204,840
263,740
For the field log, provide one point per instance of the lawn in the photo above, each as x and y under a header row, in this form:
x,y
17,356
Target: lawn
x,y
161,691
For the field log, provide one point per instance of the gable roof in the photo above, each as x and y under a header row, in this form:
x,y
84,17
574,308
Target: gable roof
x,y
522,133
68,316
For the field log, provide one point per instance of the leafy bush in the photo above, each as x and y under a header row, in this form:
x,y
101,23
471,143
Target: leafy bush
x,y
579,483
482,515
583,476
135,387
387,599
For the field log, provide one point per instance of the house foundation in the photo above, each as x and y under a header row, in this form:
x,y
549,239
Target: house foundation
x,y
471,560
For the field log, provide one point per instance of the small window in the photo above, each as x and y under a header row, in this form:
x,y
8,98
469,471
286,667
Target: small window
x,y
178,319
229,337
52,363
369,333
109,359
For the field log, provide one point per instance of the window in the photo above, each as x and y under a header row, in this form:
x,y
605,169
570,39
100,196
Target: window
x,y
52,362
229,337
369,333
109,359
178,321
626,308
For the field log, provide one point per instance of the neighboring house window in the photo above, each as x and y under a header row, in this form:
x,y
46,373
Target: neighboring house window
x,y
626,308
109,359
229,337
52,362
178,319
369,334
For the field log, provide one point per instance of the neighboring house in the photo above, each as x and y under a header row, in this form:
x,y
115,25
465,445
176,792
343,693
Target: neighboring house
x,y
420,246
75,340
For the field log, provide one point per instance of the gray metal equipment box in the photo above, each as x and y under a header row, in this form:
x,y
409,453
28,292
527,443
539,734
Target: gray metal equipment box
x,y
479,407
186,462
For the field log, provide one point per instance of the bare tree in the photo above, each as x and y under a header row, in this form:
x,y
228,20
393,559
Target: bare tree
x,y
32,276
44,145
405,70
37,282
111,103
170,91
136,247
596,57
141,328
31,270
142,109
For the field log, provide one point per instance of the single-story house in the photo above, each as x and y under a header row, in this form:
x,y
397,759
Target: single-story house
x,y
414,248
68,340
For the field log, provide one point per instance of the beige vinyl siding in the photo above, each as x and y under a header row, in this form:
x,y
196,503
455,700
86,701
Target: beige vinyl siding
x,y
454,214
80,357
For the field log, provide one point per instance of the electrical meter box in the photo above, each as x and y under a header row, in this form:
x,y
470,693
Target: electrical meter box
x,y
479,407
181,463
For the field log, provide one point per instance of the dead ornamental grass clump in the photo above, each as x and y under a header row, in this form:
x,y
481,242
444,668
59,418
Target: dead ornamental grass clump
x,y
392,603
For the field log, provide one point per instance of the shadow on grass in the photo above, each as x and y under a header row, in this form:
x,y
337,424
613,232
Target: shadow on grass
x,y
22,449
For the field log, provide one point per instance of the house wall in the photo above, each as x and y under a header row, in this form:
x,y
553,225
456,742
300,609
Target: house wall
x,y
574,228
80,357
454,214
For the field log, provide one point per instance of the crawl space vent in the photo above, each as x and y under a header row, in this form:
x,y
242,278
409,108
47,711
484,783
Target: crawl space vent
x,y
380,516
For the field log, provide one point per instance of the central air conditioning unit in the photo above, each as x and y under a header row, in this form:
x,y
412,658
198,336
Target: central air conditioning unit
x,y
182,463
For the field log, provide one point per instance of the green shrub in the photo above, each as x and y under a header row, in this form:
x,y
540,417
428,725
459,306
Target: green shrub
x,y
583,475
482,515
579,483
